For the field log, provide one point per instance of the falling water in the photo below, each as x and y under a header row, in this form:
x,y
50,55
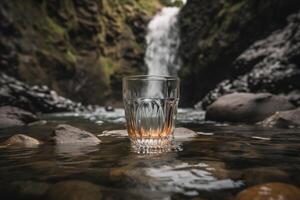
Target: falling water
x,y
163,42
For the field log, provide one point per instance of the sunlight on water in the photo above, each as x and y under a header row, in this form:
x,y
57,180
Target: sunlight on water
x,y
189,178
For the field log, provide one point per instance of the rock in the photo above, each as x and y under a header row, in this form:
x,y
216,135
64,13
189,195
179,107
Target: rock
x,y
66,134
270,191
246,107
253,176
83,190
74,190
182,133
210,41
283,119
27,189
22,140
270,64
109,108
13,116
70,49
34,98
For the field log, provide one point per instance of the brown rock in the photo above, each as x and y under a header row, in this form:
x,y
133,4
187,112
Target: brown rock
x,y
22,140
66,134
270,191
253,176
74,190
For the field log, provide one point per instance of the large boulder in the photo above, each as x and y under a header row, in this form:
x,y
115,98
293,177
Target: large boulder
x,y
214,33
13,116
66,134
246,107
271,64
270,191
283,119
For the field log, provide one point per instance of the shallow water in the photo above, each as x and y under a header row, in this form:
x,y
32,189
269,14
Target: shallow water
x,y
220,161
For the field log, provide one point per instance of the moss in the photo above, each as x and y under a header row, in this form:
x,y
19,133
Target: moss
x,y
72,46
55,27
108,66
70,57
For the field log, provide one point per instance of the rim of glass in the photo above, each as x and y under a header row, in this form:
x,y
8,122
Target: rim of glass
x,y
151,78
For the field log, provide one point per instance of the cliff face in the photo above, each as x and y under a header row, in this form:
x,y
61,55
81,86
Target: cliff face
x,y
78,48
271,64
214,33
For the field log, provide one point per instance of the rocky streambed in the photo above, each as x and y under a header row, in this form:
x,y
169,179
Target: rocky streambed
x,y
88,156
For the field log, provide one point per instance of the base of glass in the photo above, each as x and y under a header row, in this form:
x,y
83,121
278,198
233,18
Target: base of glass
x,y
151,145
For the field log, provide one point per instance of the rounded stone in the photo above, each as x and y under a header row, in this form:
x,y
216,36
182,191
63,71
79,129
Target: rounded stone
x,y
246,107
22,140
253,176
74,190
66,134
270,191
283,119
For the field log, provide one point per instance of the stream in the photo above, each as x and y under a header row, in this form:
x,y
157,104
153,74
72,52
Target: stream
x,y
221,160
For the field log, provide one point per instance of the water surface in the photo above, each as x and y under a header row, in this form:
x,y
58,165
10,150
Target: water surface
x,y
220,161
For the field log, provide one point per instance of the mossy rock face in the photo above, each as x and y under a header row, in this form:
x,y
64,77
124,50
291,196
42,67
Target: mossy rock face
x,y
74,46
214,33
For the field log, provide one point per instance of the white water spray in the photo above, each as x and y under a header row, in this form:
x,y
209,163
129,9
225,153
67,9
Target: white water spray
x,y
162,43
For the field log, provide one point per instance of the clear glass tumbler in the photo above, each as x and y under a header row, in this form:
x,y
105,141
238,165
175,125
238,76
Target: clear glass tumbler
x,y
150,109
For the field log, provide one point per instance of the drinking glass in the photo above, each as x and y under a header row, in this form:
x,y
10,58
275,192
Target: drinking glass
x,y
150,109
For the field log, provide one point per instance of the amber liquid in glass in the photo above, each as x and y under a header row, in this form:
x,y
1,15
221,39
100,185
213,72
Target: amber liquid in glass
x,y
150,121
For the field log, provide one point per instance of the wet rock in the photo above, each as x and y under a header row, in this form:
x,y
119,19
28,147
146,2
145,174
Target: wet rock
x,y
270,64
13,116
109,108
22,140
27,189
246,107
81,41
283,119
83,190
34,98
270,191
74,190
253,176
182,133
66,134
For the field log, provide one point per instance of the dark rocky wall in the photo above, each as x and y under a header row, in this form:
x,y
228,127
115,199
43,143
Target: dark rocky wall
x,y
271,64
75,47
214,33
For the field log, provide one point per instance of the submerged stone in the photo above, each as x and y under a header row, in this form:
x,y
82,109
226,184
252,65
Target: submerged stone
x,y
28,189
83,190
270,191
74,190
253,176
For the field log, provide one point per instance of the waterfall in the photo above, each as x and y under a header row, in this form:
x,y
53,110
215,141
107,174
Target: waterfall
x,y
162,43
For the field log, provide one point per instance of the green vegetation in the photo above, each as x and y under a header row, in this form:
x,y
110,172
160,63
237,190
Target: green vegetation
x,y
77,48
